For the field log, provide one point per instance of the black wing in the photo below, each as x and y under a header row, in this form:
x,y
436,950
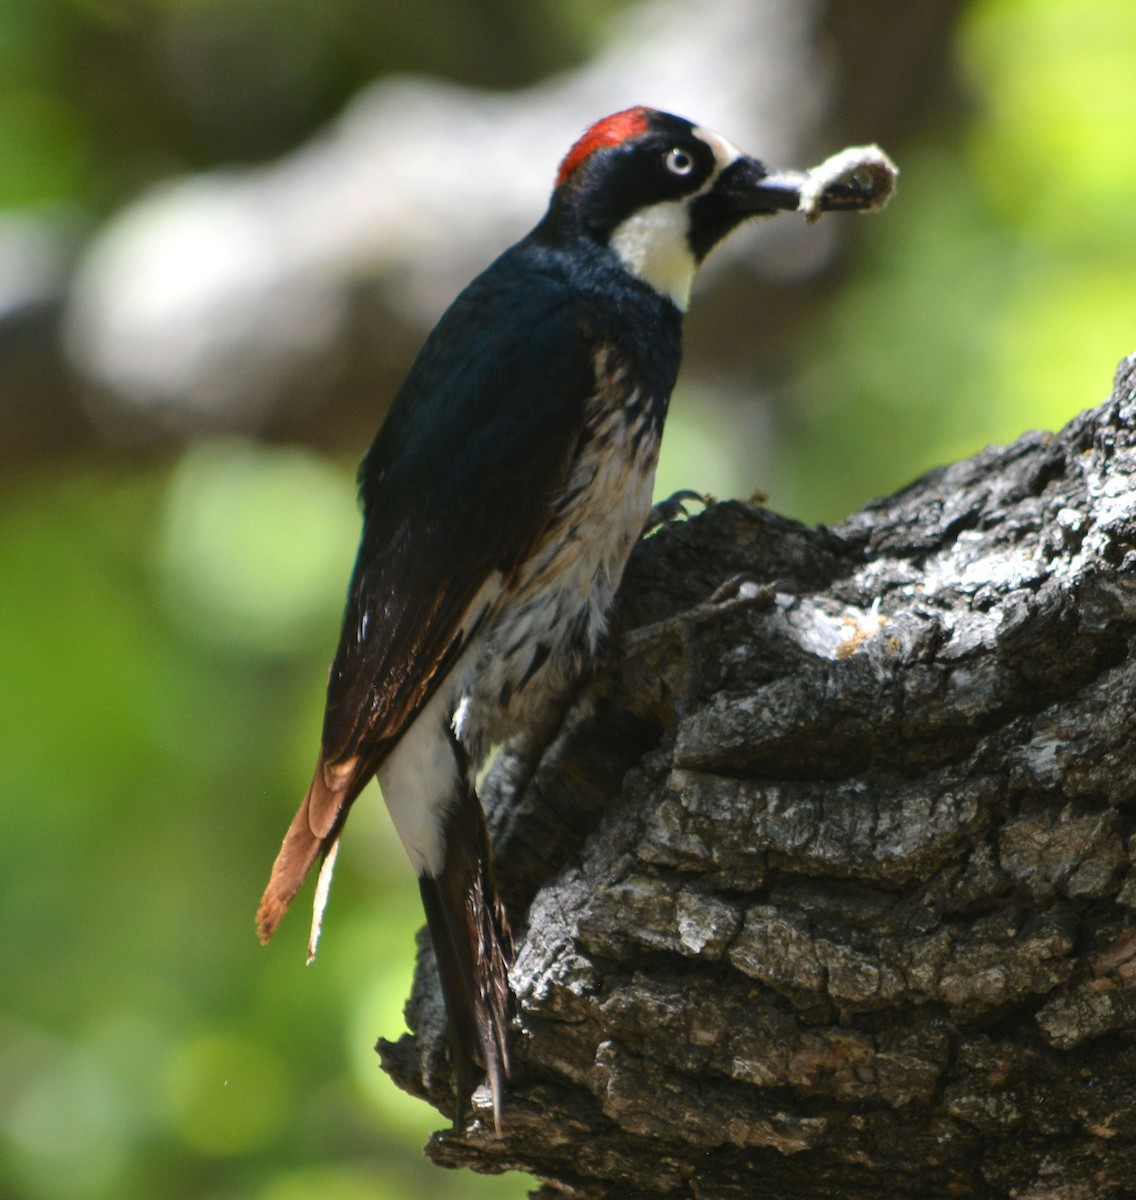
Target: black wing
x,y
457,486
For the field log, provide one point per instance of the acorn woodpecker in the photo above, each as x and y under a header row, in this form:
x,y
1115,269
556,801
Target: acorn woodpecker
x,y
501,499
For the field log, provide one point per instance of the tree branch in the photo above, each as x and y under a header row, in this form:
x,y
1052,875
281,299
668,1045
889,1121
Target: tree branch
x,y
827,887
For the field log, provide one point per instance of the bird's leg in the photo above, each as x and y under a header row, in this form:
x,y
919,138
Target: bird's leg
x,y
523,752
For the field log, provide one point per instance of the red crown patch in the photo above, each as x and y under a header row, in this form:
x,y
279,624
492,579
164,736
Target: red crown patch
x,y
611,131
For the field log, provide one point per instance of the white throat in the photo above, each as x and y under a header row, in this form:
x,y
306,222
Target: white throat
x,y
654,244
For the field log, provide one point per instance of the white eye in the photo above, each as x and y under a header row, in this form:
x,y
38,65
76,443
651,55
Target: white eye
x,y
679,162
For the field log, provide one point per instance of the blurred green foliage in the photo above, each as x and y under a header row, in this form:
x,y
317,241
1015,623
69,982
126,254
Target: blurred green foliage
x,y
162,672
100,97
996,296
164,633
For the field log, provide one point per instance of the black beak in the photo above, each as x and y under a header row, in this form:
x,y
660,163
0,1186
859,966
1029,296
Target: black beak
x,y
752,189
858,179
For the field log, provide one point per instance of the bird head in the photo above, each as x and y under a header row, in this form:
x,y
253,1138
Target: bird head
x,y
662,192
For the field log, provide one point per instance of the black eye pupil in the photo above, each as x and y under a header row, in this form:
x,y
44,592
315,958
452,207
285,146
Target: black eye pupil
x,y
679,161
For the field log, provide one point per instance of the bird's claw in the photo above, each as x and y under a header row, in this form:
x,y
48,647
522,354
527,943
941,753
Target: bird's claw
x,y
673,507
745,588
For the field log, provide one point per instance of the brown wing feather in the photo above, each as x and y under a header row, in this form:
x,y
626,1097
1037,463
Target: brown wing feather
x,y
393,653
376,719
458,485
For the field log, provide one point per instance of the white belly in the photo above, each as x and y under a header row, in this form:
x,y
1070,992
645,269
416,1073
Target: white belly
x,y
541,630
545,633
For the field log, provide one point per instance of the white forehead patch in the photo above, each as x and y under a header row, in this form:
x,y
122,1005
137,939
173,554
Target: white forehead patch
x,y
725,152
654,243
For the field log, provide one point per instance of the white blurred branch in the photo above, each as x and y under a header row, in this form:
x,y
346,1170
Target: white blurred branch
x,y
203,300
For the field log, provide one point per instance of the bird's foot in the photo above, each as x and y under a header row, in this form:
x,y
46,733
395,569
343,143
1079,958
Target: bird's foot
x,y
674,507
744,589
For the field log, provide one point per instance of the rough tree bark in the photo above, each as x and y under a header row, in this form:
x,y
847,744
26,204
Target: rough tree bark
x,y
827,888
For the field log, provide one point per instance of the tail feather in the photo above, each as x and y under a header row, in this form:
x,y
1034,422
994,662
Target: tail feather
x,y
468,926
311,835
474,950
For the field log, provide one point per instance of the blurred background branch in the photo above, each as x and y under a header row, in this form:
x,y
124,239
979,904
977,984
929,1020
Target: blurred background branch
x,y
225,226
284,294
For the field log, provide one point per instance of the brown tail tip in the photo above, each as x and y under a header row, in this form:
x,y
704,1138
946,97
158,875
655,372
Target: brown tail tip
x,y
268,917
298,851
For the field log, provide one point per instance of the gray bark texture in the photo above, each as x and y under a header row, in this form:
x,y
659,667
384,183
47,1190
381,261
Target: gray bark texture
x,y
826,888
